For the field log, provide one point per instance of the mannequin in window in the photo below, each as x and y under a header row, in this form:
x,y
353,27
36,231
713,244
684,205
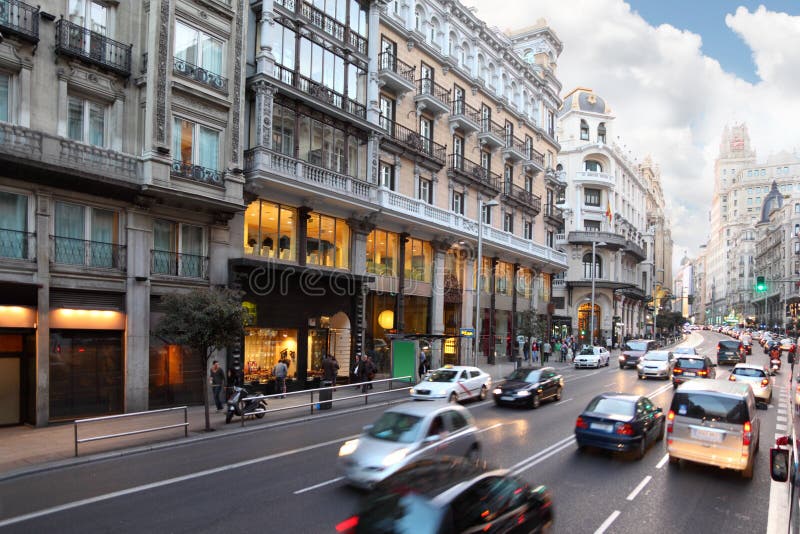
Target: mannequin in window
x,y
251,244
266,246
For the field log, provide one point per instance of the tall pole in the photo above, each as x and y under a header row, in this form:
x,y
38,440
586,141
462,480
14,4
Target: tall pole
x,y
478,317
591,312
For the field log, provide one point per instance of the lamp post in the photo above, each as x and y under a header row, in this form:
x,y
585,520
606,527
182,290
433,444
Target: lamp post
x,y
594,274
478,317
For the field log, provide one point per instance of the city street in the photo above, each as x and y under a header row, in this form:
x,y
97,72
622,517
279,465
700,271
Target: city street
x,y
284,479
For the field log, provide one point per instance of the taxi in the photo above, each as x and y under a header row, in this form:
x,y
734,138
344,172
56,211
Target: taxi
x,y
453,383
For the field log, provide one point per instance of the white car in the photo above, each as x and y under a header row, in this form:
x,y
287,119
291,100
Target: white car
x,y
757,377
656,363
592,357
454,383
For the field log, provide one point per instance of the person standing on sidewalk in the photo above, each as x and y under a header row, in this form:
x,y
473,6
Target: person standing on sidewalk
x,y
534,350
546,350
363,371
280,371
329,369
216,378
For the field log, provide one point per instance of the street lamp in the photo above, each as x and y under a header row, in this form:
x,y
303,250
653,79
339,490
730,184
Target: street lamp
x,y
478,318
594,273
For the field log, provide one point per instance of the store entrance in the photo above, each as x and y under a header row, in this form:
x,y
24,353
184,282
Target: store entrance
x,y
16,378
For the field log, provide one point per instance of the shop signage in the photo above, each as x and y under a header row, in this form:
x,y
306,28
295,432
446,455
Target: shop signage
x,y
467,332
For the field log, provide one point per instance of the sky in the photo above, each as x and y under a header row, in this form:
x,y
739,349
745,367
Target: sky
x,y
675,73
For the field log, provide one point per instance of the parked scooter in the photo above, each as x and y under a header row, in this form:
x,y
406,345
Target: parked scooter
x,y
236,405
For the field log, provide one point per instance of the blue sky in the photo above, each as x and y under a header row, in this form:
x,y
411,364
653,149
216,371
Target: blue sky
x,y
707,19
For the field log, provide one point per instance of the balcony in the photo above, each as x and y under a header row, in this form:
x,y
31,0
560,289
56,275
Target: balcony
x,y
514,149
556,178
432,97
81,43
200,75
409,140
522,198
329,25
554,215
594,178
82,253
491,134
17,245
169,263
612,241
19,19
468,172
394,74
464,117
635,250
534,160
561,239
319,93
196,173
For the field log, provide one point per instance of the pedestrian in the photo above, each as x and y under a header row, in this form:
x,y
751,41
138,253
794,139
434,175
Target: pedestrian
x,y
235,375
216,377
329,369
423,367
546,349
557,349
363,372
570,353
280,371
534,351
371,370
564,349
526,349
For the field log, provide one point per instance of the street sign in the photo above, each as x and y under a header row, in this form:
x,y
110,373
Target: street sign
x,y
467,332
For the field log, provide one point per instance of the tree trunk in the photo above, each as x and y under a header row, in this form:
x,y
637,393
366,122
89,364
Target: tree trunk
x,y
206,387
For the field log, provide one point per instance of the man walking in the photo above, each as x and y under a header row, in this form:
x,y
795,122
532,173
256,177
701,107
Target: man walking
x,y
280,371
217,380
546,350
330,367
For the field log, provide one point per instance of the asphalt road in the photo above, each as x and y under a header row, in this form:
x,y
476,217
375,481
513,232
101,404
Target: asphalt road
x,y
284,479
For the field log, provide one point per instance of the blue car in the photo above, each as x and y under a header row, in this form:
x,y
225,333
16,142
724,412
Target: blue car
x,y
620,422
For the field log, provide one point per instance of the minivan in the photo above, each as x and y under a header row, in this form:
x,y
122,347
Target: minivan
x,y
730,351
714,422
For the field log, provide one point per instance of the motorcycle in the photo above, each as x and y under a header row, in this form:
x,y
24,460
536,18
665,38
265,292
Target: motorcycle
x,y
774,362
238,406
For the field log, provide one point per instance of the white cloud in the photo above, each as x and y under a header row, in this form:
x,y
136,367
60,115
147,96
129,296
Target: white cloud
x,y
669,99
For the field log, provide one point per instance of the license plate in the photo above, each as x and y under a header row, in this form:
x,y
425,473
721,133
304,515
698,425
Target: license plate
x,y
707,435
602,426
689,374
507,398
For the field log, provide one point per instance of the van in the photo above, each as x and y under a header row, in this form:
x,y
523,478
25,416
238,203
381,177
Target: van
x,y
730,351
714,422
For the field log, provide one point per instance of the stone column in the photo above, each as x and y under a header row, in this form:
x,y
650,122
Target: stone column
x,y
265,94
24,108
440,249
373,49
360,229
62,105
400,305
265,61
138,236
302,233
43,203
492,308
117,126
373,155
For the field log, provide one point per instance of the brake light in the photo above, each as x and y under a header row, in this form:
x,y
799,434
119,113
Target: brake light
x,y
747,434
581,423
702,373
348,525
765,382
719,346
670,419
677,371
624,429
732,378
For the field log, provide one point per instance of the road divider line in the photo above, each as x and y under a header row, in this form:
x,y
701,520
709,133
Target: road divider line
x,y
662,462
566,400
544,457
320,485
632,495
491,427
557,444
607,523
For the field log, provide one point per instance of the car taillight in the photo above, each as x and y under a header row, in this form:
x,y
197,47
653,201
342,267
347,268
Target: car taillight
x,y
719,346
348,525
581,423
624,429
732,378
702,373
670,419
677,371
747,434
765,382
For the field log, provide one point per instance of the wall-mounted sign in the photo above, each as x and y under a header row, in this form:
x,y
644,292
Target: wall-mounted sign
x,y
467,332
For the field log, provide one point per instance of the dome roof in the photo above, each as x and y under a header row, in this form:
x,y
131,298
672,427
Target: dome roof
x,y
772,201
583,99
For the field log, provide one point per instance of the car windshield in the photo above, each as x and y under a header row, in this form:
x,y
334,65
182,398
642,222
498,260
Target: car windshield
x,y
587,350
525,375
636,345
685,350
656,356
395,426
690,363
747,371
611,406
710,407
443,375
729,344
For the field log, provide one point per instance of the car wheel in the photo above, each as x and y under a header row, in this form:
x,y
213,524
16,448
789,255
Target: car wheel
x,y
453,398
608,362
621,366
483,393
558,394
536,401
642,448
674,461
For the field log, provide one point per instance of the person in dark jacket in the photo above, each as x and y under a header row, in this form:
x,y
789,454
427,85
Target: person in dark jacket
x,y
363,371
423,368
216,377
330,368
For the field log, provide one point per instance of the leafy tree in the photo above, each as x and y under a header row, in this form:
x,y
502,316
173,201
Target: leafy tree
x,y
532,325
206,320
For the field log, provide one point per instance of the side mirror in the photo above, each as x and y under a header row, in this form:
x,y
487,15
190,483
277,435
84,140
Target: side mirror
x,y
779,464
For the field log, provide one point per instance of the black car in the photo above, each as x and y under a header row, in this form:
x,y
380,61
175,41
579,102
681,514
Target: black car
x,y
619,422
528,386
451,495
633,351
688,367
730,351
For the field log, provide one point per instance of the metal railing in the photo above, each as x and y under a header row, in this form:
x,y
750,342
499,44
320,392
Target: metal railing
x,y
358,42
474,171
426,86
199,74
531,154
17,245
522,195
459,107
390,61
288,4
175,264
82,43
413,140
489,126
551,210
312,403
72,251
319,91
196,173
20,19
321,20
77,422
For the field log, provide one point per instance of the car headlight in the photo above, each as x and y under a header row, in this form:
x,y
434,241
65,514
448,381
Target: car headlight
x,y
394,457
523,393
412,391
348,448
497,391
622,357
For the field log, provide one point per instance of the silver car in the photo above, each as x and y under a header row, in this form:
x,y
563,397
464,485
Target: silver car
x,y
406,433
657,364
758,378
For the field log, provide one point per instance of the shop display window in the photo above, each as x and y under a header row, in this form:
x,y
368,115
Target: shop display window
x,y
382,253
504,278
327,241
419,260
270,231
525,282
263,348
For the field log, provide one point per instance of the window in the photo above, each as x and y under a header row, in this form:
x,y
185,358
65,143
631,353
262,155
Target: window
x,y
327,241
95,13
425,192
195,144
529,183
550,239
418,20
508,222
587,266
504,278
509,129
13,226
486,214
591,197
601,133
387,107
85,236
508,177
458,203
86,121
426,132
419,260
486,117
386,176
592,166
528,147
382,253
178,249
199,49
330,147
486,161
5,97
551,123
283,46
527,229
270,230
591,226
323,67
458,100
584,131
283,134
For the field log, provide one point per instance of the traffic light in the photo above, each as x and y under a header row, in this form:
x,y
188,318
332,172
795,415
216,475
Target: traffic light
x,y
690,299
761,285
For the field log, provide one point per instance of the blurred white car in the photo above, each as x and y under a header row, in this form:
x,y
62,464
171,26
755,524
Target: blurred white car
x,y
757,377
592,357
656,363
453,383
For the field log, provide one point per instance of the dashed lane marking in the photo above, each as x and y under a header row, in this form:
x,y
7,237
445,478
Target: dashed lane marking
x,y
662,462
607,523
320,485
632,495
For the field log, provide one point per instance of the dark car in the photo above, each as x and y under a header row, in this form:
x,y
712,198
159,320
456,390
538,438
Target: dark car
x,y
619,422
451,495
689,367
634,350
730,351
528,386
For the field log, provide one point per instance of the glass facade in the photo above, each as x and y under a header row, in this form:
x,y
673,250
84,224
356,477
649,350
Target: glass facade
x,y
270,230
382,253
175,375
327,241
504,279
263,348
419,261
416,314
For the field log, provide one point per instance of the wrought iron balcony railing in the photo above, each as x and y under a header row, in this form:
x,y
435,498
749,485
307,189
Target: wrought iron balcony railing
x,y
196,173
198,74
288,4
17,245
175,264
426,86
321,20
523,196
390,61
71,251
459,107
20,19
92,47
414,141
474,171
553,211
489,126
320,92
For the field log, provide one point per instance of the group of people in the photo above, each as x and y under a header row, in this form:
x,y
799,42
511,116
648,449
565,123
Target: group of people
x,y
562,349
364,372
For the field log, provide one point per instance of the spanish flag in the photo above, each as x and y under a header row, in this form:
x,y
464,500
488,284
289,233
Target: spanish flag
x,y
608,211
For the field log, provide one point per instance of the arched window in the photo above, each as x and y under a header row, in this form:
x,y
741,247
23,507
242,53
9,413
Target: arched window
x,y
463,58
601,133
592,165
587,266
584,131
433,35
559,167
418,19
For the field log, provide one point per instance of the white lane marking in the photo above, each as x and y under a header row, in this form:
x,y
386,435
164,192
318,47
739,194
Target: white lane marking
x,y
544,457
566,400
609,385
167,482
607,523
780,428
321,484
781,419
492,427
632,495
662,462
558,443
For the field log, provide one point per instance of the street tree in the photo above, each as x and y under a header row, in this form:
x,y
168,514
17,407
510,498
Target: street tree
x,y
532,325
206,320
